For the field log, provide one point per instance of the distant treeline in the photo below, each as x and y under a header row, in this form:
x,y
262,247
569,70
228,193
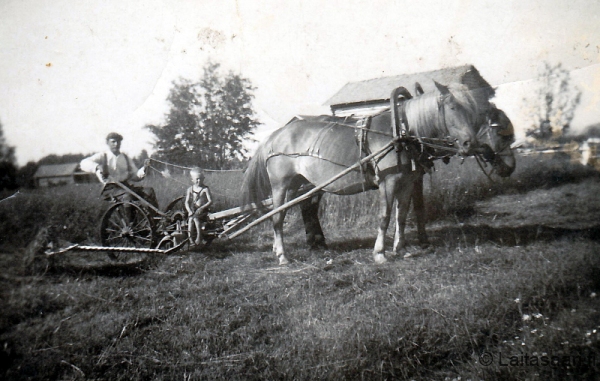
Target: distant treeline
x,y
592,131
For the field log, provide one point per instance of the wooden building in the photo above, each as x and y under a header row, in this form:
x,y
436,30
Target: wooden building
x,y
61,174
371,96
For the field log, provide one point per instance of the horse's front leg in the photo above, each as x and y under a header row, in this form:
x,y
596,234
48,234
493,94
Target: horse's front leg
x,y
386,201
419,207
403,197
279,194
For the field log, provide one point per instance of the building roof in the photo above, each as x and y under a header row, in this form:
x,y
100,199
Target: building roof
x,y
56,170
379,89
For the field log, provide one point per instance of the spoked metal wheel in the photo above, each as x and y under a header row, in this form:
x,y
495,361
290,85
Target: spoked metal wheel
x,y
126,225
173,227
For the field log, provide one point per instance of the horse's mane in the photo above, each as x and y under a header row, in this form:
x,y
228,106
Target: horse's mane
x,y
475,101
423,113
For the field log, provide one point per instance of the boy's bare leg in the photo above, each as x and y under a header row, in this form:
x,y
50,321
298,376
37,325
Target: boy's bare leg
x,y
198,231
190,228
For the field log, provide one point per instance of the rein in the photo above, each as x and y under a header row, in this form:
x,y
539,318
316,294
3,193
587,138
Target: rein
x,y
482,167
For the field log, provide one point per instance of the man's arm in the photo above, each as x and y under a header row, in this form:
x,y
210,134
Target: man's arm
x,y
93,164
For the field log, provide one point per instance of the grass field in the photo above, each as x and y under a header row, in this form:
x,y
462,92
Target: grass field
x,y
506,291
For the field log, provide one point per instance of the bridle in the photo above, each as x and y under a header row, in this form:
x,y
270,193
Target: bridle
x,y
487,154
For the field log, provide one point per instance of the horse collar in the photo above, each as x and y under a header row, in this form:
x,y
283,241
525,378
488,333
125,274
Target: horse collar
x,y
398,108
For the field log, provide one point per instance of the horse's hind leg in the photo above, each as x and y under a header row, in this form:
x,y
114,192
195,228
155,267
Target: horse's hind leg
x,y
279,193
310,215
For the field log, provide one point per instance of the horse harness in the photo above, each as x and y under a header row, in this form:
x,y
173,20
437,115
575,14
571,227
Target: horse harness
x,y
412,152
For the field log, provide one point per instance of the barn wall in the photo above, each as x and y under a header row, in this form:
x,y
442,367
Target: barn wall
x,y
54,181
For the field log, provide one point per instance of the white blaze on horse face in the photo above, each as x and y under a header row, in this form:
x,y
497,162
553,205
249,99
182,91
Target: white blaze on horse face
x,y
459,125
458,120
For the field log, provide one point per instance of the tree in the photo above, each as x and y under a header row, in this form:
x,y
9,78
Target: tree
x,y
554,104
208,121
8,170
141,158
25,175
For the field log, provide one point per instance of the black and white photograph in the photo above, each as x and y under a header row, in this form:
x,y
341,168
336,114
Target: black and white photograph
x,y
311,190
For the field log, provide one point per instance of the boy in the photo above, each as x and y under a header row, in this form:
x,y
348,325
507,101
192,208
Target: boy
x,y
197,201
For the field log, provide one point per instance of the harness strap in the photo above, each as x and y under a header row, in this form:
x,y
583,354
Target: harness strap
x,y
363,126
400,124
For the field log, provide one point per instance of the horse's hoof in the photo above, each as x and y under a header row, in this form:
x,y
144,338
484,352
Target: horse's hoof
x,y
283,260
379,258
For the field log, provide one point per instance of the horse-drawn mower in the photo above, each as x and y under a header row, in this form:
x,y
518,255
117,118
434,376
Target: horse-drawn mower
x,y
137,226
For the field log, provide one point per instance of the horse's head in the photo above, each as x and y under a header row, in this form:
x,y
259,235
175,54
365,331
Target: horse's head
x,y
497,134
459,119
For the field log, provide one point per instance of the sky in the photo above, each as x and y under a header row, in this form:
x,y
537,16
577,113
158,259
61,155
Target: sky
x,y
73,70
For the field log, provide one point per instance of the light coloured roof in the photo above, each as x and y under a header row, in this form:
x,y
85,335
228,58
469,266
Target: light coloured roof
x,y
379,89
56,170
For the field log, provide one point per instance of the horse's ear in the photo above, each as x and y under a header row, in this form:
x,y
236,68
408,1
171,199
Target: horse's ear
x,y
418,89
443,89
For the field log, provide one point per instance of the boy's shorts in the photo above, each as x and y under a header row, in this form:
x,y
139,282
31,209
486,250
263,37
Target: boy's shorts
x,y
202,217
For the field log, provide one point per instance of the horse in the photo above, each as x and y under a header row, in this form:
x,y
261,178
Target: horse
x,y
495,134
309,150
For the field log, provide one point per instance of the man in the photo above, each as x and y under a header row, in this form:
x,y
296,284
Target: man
x,y
113,165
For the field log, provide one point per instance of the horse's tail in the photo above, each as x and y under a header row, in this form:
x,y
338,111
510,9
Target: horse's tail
x,y
256,185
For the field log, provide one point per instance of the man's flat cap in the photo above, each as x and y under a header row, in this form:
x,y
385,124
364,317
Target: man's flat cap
x,y
114,135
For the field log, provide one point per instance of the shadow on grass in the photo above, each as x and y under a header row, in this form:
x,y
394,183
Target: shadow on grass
x,y
112,269
505,236
452,236
351,244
